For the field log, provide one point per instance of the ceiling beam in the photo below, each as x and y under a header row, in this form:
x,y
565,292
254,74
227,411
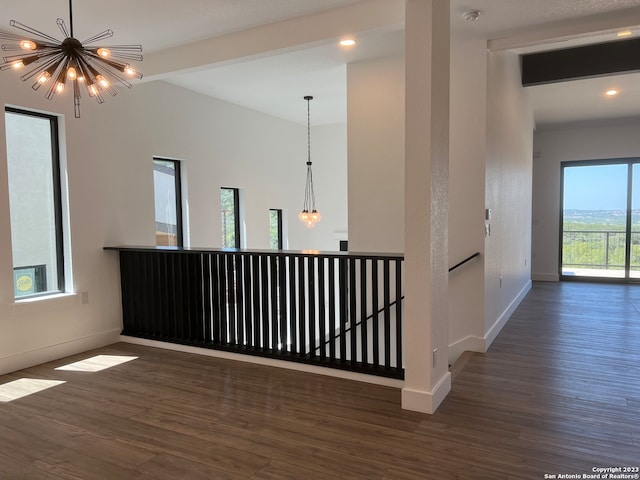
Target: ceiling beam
x,y
279,37
581,62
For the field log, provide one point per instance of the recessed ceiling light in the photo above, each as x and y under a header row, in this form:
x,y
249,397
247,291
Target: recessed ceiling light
x,y
347,42
611,92
624,33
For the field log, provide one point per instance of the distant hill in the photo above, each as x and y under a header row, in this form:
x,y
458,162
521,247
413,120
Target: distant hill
x,y
598,219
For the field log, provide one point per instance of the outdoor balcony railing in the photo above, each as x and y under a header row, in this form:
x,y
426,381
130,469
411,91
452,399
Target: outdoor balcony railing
x,y
338,310
599,250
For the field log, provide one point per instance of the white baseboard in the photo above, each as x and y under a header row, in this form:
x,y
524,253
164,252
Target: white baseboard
x,y
545,277
467,344
426,402
493,332
473,343
22,360
271,362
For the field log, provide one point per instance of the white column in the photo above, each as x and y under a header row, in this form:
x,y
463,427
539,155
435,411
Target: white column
x,y
427,377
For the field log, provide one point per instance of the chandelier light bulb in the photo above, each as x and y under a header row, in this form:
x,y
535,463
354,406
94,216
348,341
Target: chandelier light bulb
x,y
129,70
59,87
102,81
104,52
28,45
72,74
44,77
17,65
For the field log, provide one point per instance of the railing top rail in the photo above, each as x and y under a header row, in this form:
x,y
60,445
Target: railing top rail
x,y
596,231
468,259
243,251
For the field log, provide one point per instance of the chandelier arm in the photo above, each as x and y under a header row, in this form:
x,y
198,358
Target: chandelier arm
x,y
132,47
63,27
40,54
33,31
114,54
89,73
76,98
100,36
41,68
112,69
60,76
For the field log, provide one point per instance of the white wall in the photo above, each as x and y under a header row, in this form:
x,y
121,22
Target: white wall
x,y
509,152
376,156
110,175
552,146
466,194
375,112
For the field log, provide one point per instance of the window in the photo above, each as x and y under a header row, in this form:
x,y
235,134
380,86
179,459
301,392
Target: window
x,y
275,229
33,167
230,203
168,200
600,234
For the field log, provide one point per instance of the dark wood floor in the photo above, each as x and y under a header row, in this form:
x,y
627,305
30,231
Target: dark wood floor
x,y
558,392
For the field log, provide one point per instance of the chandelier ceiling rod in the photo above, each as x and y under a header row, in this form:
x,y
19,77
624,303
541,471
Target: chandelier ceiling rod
x,y
71,17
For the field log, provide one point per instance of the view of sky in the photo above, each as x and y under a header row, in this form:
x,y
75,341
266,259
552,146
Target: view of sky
x,y
602,187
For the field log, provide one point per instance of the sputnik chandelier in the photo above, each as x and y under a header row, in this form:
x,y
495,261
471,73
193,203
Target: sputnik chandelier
x,y
79,63
309,215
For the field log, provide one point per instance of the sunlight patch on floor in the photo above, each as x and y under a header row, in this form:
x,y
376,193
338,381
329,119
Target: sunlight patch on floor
x,y
97,363
23,387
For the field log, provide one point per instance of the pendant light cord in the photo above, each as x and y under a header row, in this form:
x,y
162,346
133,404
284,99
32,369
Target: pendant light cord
x,y
308,133
71,17
310,197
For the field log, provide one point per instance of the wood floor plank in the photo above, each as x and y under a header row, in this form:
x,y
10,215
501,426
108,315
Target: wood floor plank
x,y
557,392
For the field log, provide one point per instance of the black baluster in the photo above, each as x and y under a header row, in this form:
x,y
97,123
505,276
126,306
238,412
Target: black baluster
x,y
322,309
302,312
364,340
343,287
332,308
399,364
293,313
264,290
375,309
387,314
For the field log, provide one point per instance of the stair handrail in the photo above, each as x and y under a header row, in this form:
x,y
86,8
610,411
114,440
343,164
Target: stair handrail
x,y
468,259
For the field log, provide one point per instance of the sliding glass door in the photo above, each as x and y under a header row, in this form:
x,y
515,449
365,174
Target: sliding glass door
x,y
634,236
600,219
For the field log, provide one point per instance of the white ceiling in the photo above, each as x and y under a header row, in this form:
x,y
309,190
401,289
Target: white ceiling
x,y
275,82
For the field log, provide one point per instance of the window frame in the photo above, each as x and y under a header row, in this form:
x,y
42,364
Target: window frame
x,y
280,239
57,199
178,190
236,215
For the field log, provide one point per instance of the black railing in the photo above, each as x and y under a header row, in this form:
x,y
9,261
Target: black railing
x,y
468,259
335,310
600,250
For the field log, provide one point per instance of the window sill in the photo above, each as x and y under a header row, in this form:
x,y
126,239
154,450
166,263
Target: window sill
x,y
47,302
